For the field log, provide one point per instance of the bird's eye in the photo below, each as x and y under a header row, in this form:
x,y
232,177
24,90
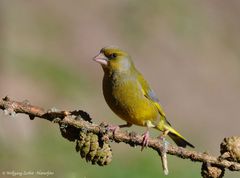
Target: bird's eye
x,y
113,55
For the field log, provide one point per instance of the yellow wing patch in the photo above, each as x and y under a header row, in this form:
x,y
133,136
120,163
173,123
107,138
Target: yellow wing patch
x,y
160,109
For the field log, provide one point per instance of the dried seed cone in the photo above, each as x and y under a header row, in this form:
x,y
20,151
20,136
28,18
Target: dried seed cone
x,y
104,155
230,148
69,132
94,146
90,149
210,171
86,146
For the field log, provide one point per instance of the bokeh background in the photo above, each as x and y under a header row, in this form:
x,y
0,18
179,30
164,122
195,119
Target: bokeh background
x,y
188,51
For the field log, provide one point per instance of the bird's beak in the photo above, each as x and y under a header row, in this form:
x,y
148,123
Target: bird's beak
x,y
101,59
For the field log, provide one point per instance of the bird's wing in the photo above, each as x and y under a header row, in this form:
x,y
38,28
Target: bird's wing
x,y
150,94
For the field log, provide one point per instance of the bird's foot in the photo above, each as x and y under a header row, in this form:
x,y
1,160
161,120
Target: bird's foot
x,y
113,128
145,140
161,137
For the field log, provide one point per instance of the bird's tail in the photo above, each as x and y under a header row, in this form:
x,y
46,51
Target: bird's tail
x,y
177,137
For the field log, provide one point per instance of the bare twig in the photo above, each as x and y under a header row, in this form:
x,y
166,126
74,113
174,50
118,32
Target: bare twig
x,y
132,138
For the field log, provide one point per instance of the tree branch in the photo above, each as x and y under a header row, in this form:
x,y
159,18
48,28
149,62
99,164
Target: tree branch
x,y
65,118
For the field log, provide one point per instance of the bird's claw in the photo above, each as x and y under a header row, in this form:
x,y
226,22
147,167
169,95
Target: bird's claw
x,y
145,140
113,128
161,137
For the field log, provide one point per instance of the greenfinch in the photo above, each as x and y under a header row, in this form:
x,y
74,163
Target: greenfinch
x,y
130,97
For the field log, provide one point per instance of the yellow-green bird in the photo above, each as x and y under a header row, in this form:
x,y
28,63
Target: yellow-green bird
x,y
130,97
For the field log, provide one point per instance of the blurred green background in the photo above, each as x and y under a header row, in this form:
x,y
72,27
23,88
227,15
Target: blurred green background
x,y
188,51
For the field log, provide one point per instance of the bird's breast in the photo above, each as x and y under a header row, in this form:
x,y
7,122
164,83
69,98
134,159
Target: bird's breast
x,y
124,96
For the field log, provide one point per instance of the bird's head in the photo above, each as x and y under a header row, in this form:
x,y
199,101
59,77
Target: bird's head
x,y
114,59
